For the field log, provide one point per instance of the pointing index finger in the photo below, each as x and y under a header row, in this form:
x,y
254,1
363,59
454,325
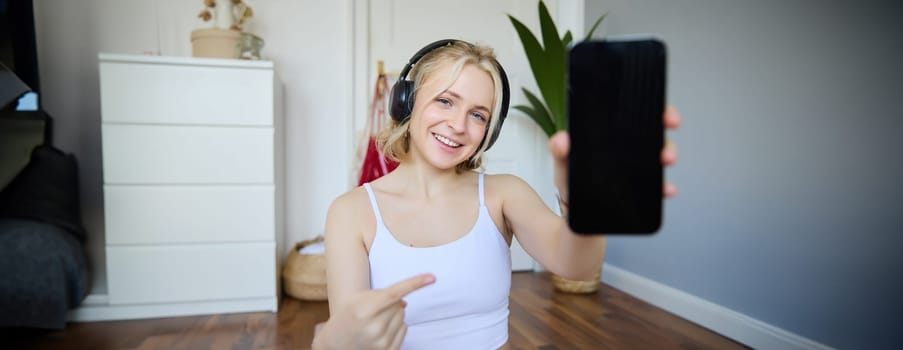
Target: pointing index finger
x,y
399,290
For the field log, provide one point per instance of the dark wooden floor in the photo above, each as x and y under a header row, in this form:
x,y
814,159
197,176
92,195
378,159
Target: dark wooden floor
x,y
540,319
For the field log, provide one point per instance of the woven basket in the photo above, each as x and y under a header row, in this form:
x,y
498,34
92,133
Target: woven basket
x,y
577,287
304,275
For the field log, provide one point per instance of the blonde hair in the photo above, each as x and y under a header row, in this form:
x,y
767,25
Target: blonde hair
x,y
394,140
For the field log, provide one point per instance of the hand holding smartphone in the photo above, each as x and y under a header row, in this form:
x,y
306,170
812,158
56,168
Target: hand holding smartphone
x,y
616,99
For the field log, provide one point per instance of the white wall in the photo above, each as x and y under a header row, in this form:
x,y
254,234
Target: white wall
x,y
310,42
789,210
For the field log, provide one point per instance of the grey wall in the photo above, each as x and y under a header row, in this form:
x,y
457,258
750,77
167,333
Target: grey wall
x,y
790,207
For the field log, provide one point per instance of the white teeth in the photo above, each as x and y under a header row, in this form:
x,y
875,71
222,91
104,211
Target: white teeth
x,y
446,141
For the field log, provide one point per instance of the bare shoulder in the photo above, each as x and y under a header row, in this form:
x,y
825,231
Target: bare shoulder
x,y
510,192
352,201
347,212
507,185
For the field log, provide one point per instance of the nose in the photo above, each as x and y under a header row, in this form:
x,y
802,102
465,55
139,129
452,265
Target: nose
x,y
457,121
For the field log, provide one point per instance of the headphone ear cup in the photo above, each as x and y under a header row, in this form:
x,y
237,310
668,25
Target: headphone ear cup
x,y
494,134
401,99
506,99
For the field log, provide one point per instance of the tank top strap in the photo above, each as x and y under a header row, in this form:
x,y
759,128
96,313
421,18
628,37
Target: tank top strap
x,y
482,195
379,217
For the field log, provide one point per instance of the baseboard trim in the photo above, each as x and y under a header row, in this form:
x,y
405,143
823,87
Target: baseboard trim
x,y
727,322
96,307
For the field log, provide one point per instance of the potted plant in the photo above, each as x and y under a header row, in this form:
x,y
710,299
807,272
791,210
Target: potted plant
x,y
549,65
223,39
548,61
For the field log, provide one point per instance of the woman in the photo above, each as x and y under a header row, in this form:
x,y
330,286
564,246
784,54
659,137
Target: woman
x,y
420,257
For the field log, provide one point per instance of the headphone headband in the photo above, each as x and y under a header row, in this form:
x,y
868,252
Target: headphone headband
x,y
401,98
422,52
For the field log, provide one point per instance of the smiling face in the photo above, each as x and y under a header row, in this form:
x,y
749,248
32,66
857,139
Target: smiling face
x,y
459,80
448,124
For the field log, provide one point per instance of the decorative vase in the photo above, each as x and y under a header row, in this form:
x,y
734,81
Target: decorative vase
x,y
223,17
250,46
216,43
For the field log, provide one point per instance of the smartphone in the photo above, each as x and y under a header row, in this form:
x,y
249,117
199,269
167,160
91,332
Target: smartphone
x,y
616,99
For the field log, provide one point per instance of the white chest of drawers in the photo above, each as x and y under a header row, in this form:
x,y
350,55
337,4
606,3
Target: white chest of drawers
x,y
192,162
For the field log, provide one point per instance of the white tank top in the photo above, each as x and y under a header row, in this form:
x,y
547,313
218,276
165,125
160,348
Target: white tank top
x,y
467,306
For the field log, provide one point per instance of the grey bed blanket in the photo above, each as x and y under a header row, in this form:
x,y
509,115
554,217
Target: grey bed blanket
x,y
44,274
43,267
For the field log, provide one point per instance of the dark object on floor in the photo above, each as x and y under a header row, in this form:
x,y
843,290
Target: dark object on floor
x,y
44,274
46,190
43,267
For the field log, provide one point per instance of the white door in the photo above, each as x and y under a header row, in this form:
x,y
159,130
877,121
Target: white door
x,y
392,30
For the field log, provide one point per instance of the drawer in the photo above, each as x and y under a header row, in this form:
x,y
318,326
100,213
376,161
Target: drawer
x,y
184,273
162,154
138,214
186,94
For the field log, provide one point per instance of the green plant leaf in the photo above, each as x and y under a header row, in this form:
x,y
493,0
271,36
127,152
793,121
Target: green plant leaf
x,y
552,78
550,40
548,62
535,54
589,35
539,62
542,113
548,129
566,40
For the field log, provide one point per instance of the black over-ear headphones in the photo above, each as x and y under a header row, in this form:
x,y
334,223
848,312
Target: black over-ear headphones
x,y
401,99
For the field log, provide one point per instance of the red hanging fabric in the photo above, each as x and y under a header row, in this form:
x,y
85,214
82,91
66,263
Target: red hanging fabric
x,y
375,162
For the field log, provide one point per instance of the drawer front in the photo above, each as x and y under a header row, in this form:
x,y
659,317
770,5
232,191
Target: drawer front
x,y
184,94
159,154
188,214
184,273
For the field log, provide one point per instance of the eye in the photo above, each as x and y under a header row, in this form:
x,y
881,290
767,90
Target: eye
x,y
478,116
444,101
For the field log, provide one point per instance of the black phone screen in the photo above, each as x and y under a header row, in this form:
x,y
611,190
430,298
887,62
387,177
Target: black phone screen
x,y
616,99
